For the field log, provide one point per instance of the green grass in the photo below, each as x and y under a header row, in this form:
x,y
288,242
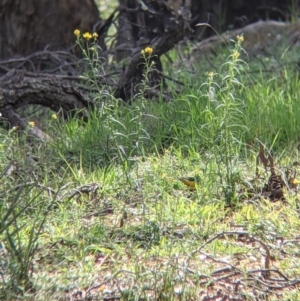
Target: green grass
x,y
143,235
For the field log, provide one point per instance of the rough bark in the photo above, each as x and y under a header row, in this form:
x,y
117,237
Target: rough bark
x,y
58,93
33,25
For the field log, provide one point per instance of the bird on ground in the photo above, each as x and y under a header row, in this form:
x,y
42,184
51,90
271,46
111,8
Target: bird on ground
x,y
191,182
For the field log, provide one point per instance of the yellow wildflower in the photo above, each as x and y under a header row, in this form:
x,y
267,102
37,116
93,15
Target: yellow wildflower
x,y
240,39
87,35
77,32
54,116
95,35
210,74
235,55
31,123
147,51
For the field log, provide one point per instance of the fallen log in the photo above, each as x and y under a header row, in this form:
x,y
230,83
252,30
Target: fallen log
x,y
56,92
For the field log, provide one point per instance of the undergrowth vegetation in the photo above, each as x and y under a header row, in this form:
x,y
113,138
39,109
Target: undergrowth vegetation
x,y
101,210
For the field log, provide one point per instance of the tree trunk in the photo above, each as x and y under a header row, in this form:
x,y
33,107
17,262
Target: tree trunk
x,y
27,26
37,36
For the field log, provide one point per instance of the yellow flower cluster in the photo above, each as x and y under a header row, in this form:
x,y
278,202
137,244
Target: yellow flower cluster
x,y
31,123
147,51
240,39
86,35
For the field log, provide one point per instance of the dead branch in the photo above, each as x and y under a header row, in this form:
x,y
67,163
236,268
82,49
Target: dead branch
x,y
160,28
14,119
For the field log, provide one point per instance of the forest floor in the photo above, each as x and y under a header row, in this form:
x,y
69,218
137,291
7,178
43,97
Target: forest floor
x,y
102,213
